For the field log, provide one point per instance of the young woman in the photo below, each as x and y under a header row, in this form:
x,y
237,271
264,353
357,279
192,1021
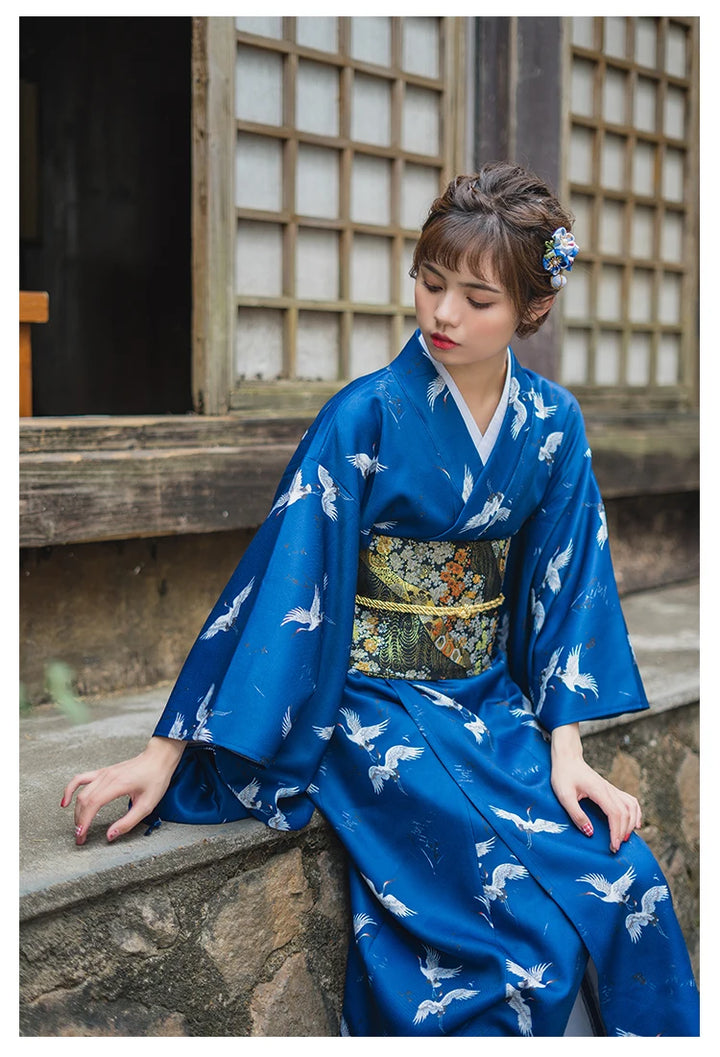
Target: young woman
x,y
409,644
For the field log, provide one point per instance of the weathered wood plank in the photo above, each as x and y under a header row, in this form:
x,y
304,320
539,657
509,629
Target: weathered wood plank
x,y
75,498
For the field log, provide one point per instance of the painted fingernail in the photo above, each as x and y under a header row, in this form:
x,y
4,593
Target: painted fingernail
x,y
112,834
78,831
628,837
588,830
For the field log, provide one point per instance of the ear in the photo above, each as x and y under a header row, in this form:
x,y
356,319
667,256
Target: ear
x,y
540,306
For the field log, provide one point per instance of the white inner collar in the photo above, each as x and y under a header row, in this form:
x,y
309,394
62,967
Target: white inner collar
x,y
484,442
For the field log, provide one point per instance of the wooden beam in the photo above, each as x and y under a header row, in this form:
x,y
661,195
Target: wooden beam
x,y
34,308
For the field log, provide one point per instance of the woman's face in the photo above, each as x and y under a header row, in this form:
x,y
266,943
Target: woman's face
x,y
464,320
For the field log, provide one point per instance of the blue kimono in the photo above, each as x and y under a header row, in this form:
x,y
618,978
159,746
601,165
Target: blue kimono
x,y
331,675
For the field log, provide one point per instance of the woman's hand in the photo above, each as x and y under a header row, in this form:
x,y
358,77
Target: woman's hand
x,y
572,780
144,779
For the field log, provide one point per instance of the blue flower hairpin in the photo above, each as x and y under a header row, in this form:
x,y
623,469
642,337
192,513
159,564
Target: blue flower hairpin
x,y
560,252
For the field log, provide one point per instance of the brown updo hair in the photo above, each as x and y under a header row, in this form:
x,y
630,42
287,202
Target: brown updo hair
x,y
500,219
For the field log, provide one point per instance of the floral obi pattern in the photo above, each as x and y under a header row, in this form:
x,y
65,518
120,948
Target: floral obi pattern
x,y
427,609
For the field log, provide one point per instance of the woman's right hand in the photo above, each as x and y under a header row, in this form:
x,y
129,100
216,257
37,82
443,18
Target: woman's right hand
x,y
144,779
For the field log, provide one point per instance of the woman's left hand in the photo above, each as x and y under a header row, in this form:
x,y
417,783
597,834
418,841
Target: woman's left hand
x,y
573,780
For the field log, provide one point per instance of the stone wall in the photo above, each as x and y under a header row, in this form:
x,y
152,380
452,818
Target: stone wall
x,y
253,944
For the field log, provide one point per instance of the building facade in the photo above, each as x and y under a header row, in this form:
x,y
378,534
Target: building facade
x,y
223,211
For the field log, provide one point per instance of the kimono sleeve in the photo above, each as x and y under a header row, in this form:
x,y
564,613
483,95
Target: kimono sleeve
x,y
257,695
568,644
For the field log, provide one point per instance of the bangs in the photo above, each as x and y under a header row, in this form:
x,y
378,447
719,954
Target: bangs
x,y
474,241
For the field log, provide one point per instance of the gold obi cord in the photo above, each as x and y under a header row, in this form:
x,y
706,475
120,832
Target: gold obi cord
x,y
427,609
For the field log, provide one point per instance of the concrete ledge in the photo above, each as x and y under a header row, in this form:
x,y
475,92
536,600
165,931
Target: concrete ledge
x,y
664,627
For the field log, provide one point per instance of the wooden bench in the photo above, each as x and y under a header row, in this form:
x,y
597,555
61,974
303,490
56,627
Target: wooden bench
x,y
34,308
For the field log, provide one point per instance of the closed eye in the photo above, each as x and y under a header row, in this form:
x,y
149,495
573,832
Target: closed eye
x,y
430,287
480,304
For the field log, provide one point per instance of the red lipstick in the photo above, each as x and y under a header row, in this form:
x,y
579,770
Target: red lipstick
x,y
442,341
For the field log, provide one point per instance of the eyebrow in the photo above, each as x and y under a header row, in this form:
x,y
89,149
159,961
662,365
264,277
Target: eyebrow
x,y
474,286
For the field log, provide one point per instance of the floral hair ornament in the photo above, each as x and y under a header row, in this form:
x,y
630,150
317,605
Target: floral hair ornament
x,y
560,252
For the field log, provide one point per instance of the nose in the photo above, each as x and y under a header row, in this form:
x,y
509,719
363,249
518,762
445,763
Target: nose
x,y
446,310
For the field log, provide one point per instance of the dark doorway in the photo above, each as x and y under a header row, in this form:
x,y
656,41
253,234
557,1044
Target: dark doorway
x,y
105,212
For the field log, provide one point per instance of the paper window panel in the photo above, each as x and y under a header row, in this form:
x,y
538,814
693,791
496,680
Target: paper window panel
x,y
607,357
258,259
612,228
676,51
612,170
583,31
582,88
259,344
645,103
317,95
668,360
258,85
261,27
419,188
317,181
670,300
576,295
582,141
639,355
258,172
672,237
646,42
673,175
371,110
615,36
421,121
370,270
371,39
407,285
581,207
317,32
318,340
316,265
370,345
641,296
575,356
642,243
610,291
614,96
643,169
421,46
370,190
674,112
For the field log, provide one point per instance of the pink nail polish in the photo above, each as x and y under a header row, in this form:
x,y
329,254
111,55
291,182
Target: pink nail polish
x,y
112,834
588,830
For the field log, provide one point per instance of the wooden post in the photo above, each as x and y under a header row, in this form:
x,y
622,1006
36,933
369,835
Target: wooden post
x,y
34,308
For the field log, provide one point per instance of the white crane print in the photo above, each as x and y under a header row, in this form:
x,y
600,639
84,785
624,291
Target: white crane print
x,y
201,733
537,609
602,533
526,714
362,736
227,620
176,730
325,733
483,847
527,825
573,678
477,728
492,511
552,572
495,889
435,389
295,492
545,677
438,1007
542,410
518,407
329,493
366,464
437,698
390,902
433,971
278,820
549,448
529,979
360,922
637,921
518,1004
468,484
388,771
247,795
609,891
312,616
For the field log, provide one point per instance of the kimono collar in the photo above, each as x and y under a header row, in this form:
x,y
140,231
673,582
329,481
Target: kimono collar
x,y
484,442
